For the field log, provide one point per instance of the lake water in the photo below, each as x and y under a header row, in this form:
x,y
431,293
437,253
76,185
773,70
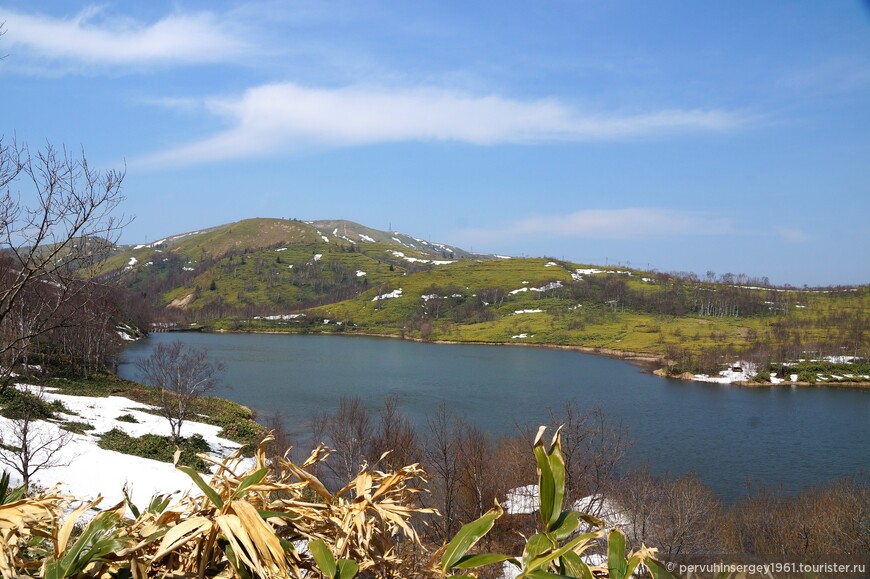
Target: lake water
x,y
728,435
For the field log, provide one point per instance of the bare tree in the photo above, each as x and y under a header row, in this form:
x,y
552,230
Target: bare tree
x,y
56,224
29,444
397,436
181,373
349,433
443,464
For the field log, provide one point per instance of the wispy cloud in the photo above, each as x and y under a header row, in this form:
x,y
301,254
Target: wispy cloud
x,y
276,117
793,234
94,38
628,223
834,75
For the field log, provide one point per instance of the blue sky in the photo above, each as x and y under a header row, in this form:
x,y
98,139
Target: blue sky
x,y
684,136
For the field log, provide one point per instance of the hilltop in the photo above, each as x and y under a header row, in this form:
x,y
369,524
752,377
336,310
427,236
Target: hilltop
x,y
340,276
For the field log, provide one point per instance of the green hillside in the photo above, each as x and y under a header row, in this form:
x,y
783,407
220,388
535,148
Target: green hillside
x,y
339,276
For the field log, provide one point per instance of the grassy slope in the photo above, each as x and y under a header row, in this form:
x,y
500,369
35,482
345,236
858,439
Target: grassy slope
x,y
249,266
591,325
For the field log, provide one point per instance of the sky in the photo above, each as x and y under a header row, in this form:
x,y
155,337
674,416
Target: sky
x,y
729,136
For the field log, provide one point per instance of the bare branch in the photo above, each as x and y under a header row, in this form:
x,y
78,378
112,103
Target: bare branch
x,y
182,374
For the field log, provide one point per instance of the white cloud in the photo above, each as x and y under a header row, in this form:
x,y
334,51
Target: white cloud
x,y
629,223
283,116
91,38
793,234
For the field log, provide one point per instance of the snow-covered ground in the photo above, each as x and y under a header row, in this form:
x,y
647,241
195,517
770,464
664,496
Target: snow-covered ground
x,y
737,372
393,294
283,317
544,288
89,470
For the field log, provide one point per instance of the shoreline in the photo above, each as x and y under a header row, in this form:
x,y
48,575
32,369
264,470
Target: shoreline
x,y
651,363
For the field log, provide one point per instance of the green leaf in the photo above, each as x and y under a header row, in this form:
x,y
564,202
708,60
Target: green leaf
x,y
536,545
557,470
250,481
659,571
631,565
546,557
565,525
468,536
209,492
323,557
481,559
546,483
267,514
130,504
240,568
574,566
539,574
159,504
616,564
98,539
347,569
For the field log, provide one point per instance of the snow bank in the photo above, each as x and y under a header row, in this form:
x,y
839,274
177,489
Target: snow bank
x,y
544,288
283,317
393,294
739,371
90,471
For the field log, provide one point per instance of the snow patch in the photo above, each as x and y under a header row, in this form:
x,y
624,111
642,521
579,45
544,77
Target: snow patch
x,y
146,477
528,312
365,237
739,371
393,294
283,317
360,273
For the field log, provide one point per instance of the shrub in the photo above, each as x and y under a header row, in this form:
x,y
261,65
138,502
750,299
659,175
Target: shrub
x,y
77,427
158,447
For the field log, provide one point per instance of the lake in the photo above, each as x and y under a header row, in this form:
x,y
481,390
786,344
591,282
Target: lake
x,y
727,434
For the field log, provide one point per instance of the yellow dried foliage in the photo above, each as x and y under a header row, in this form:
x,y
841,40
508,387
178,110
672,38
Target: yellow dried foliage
x,y
251,520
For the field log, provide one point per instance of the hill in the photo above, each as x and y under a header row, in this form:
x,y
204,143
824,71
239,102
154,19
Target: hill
x,y
340,276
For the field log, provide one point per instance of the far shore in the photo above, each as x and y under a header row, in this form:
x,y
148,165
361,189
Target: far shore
x,y
651,363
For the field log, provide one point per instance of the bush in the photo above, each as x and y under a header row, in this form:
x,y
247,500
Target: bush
x,y
77,427
127,418
157,447
17,404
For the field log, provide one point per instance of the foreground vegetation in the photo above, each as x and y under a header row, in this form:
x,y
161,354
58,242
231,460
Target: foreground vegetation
x,y
277,519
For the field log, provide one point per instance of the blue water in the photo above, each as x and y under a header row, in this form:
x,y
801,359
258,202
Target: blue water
x,y
728,435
